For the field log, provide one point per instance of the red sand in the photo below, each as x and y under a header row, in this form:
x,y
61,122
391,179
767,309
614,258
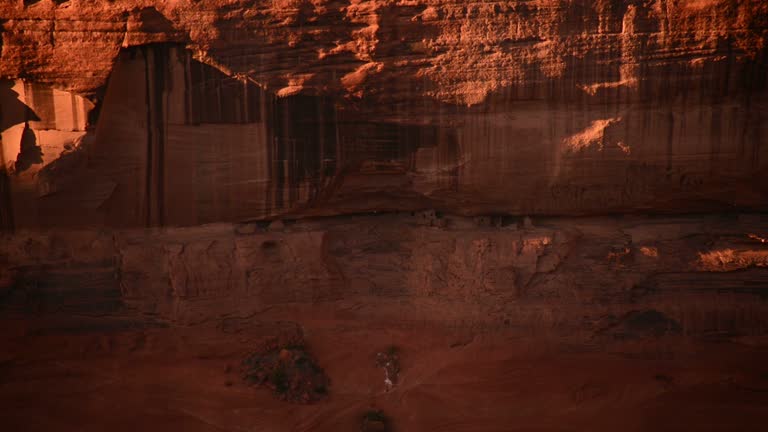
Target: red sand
x,y
186,378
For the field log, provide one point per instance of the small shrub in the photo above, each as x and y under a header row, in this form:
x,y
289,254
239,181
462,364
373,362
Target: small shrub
x,y
290,371
279,380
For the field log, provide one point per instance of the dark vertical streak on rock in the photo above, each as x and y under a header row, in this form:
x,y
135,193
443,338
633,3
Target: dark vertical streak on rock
x,y
148,177
155,75
754,82
290,155
246,117
277,175
320,155
715,137
6,207
188,89
75,112
159,118
266,117
670,139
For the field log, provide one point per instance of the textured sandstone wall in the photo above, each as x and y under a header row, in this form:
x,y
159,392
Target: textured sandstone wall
x,y
454,51
707,274
210,111
183,180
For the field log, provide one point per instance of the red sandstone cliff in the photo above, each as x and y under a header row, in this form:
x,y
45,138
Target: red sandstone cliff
x,y
164,166
142,113
396,50
248,109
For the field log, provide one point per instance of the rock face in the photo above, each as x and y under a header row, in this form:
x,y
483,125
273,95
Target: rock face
x,y
705,273
554,206
652,317
396,50
211,111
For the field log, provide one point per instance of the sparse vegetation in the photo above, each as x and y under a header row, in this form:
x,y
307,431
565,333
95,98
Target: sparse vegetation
x,y
389,360
279,380
290,371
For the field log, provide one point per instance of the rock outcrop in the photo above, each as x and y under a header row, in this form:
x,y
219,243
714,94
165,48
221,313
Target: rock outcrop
x,y
555,210
211,111
395,50
579,275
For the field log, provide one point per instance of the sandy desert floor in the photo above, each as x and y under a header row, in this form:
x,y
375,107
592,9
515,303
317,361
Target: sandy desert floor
x,y
96,374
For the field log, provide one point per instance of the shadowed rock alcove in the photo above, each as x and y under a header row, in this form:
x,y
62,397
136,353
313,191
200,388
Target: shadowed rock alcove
x,y
178,142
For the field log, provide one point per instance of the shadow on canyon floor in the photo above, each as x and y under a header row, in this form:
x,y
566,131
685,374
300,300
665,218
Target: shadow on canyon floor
x,y
13,112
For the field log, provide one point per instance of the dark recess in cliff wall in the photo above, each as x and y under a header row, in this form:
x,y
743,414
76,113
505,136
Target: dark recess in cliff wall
x,y
184,143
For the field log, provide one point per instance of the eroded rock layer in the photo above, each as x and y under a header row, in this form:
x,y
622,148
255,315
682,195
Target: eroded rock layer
x,y
214,111
454,51
707,274
594,322
488,215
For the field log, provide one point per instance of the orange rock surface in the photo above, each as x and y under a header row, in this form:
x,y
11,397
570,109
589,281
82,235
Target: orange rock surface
x,y
211,111
474,216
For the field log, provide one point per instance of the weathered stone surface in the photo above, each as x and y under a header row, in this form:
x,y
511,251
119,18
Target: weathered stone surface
x,y
706,273
643,313
182,182
308,108
452,51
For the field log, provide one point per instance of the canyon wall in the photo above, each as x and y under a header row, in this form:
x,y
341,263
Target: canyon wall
x,y
596,323
193,159
579,276
553,211
190,112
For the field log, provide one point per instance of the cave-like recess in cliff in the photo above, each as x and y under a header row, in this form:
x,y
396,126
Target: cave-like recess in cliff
x,y
178,142
173,141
